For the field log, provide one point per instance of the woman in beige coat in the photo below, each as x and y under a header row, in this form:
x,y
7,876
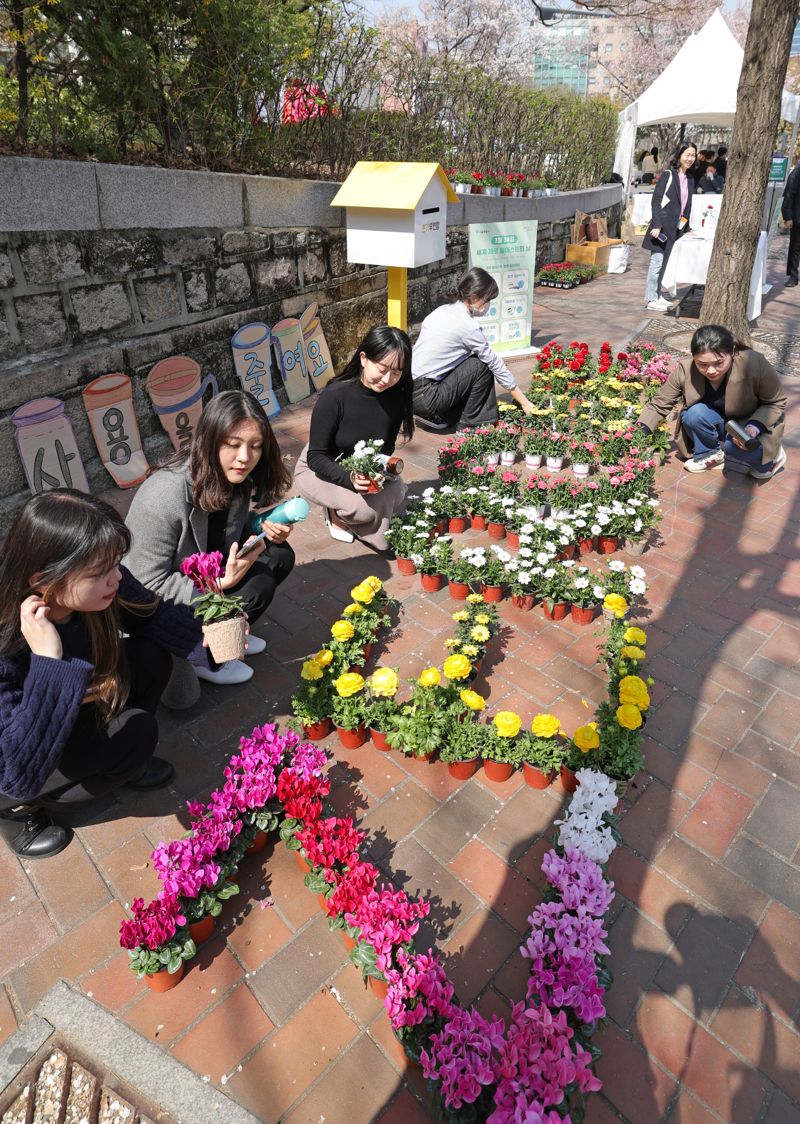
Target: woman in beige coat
x,y
723,381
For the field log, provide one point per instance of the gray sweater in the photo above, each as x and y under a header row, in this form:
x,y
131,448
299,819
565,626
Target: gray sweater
x,y
166,528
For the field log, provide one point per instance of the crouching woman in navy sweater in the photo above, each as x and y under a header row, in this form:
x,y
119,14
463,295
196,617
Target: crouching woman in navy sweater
x,y
84,657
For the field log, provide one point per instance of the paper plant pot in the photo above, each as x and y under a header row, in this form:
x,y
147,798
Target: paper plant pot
x,y
227,639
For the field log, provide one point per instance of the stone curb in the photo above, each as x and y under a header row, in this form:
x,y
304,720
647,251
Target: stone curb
x,y
113,1046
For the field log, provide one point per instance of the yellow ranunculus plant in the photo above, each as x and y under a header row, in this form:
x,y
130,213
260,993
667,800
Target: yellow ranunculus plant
x,y
384,682
457,667
634,635
472,700
616,604
430,677
342,631
310,670
629,716
586,738
546,726
633,690
507,724
350,683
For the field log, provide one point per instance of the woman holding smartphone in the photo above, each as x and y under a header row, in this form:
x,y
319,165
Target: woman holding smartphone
x,y
84,658
672,205
200,500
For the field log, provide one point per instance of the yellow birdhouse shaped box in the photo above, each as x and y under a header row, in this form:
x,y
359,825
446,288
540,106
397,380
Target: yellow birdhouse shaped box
x,y
396,213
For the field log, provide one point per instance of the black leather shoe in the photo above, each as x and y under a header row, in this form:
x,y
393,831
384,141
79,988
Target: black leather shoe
x,y
790,281
31,833
156,774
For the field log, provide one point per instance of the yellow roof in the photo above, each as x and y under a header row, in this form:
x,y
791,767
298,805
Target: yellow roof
x,y
389,185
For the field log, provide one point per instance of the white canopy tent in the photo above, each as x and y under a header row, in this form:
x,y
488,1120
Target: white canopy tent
x,y
692,89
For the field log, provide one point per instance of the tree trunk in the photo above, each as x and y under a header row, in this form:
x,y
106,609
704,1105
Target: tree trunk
x,y
21,68
766,55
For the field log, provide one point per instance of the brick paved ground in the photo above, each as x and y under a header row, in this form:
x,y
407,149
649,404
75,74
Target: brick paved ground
x,y
706,927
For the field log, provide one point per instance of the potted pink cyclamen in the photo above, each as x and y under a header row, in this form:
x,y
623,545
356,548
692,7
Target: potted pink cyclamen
x,y
222,614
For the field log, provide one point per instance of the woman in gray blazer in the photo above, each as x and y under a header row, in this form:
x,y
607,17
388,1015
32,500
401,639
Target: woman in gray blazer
x,y
200,501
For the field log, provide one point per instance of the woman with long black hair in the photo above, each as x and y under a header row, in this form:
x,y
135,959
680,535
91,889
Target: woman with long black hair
x,y
455,368
672,207
84,658
371,399
200,500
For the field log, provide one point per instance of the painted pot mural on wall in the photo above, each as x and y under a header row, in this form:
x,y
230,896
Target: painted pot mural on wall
x,y
109,405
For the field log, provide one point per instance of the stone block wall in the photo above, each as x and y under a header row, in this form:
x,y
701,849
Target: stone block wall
x,y
84,300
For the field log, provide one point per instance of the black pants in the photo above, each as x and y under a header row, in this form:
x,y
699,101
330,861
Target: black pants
x,y
464,397
258,585
100,756
793,262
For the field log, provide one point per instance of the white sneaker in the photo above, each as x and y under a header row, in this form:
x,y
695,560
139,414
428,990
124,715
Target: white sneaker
x,y
227,674
255,645
702,464
779,462
660,305
341,534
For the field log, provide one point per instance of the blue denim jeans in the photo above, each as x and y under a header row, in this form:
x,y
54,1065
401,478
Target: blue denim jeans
x,y
706,431
651,285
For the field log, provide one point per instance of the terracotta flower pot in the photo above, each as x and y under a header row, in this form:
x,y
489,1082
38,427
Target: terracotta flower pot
x,y
301,862
405,566
463,770
496,530
368,650
523,601
457,524
373,487
555,611
583,615
431,583
349,942
163,981
512,540
201,930
316,731
458,590
441,527
607,544
492,592
227,639
497,770
378,988
586,545
379,740
352,739
569,551
479,522
322,902
569,781
535,778
258,844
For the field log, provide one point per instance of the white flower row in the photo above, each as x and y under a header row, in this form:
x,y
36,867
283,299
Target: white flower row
x,y
583,827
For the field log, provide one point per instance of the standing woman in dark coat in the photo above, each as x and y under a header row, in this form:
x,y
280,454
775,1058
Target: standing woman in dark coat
x,y
790,213
672,205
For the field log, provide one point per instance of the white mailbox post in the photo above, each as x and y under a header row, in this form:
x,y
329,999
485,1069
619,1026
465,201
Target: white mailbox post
x,y
396,217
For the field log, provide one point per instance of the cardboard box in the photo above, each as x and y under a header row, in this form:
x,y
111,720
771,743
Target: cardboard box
x,y
592,253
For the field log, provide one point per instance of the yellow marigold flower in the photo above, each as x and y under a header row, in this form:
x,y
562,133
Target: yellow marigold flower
x,y
457,667
629,716
546,726
311,670
451,642
632,689
323,657
349,684
474,598
384,682
375,584
635,635
480,633
471,650
616,604
586,738
631,652
507,724
472,700
461,615
430,677
352,610
342,630
363,593
482,618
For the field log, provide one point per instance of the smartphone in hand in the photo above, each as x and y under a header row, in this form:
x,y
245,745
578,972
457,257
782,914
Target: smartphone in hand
x,y
251,544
